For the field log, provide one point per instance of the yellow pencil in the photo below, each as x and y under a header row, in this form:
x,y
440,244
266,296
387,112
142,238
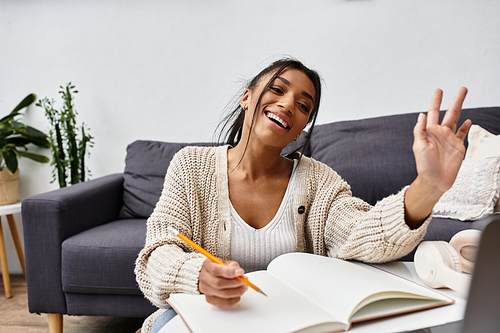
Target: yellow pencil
x,y
211,257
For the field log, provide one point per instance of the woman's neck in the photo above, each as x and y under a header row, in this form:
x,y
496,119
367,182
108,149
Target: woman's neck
x,y
257,160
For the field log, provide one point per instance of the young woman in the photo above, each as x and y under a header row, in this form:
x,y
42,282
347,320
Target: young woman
x,y
247,203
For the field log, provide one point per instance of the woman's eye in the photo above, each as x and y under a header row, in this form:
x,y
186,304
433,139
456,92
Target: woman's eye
x,y
304,107
276,89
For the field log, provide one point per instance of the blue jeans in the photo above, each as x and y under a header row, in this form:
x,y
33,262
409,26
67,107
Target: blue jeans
x,y
163,319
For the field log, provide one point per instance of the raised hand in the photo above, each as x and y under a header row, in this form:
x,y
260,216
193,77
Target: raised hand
x,y
439,151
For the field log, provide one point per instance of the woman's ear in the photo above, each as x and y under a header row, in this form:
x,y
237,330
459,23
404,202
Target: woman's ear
x,y
245,100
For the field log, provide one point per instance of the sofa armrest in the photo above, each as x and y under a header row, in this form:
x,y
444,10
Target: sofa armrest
x,y
48,219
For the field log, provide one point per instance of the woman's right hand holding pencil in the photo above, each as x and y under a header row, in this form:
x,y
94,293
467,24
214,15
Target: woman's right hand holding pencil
x,y
219,283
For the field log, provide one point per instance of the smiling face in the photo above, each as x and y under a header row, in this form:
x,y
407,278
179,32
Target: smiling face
x,y
284,109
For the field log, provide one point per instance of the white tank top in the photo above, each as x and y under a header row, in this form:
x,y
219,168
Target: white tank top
x,y
254,248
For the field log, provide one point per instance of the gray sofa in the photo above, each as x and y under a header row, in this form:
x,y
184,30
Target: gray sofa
x,y
81,241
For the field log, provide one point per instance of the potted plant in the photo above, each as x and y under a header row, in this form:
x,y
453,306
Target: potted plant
x,y
14,140
69,142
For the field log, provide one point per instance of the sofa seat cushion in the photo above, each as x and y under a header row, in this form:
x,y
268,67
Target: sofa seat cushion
x,y
101,260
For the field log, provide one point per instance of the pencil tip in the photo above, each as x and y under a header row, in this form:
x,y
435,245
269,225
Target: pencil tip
x,y
263,293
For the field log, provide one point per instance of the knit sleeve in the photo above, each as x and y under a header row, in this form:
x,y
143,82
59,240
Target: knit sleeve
x,y
356,230
166,264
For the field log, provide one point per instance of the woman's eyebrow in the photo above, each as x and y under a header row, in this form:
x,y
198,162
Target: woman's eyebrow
x,y
305,94
285,81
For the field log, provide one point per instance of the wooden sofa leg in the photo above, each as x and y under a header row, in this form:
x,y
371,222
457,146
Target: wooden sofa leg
x,y
55,322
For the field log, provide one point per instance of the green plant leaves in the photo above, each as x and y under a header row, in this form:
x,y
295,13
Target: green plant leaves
x,y
14,134
35,157
10,160
27,101
68,142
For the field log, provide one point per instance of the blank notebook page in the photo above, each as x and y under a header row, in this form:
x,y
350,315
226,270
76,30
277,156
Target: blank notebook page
x,y
256,312
339,286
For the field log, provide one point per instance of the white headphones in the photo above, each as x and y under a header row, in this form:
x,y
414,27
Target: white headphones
x,y
440,264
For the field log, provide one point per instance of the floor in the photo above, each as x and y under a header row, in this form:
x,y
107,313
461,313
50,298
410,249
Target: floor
x,y
15,317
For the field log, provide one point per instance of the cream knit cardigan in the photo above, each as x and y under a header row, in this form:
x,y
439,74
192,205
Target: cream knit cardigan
x,y
195,201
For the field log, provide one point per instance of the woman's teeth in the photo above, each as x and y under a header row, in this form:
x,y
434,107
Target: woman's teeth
x,y
277,119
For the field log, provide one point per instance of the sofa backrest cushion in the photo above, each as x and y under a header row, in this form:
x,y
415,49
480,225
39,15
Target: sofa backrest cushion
x,y
375,155
146,164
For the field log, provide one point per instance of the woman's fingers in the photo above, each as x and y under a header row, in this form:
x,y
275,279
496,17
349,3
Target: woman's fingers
x,y
464,129
419,131
230,271
450,119
219,283
222,302
433,114
220,276
451,116
225,292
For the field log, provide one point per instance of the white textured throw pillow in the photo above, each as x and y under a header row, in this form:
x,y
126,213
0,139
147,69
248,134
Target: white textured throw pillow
x,y
483,144
474,193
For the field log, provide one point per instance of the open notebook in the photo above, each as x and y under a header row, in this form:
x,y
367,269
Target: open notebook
x,y
309,293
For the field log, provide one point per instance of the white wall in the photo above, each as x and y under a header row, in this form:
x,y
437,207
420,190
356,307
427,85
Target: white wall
x,y
164,70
